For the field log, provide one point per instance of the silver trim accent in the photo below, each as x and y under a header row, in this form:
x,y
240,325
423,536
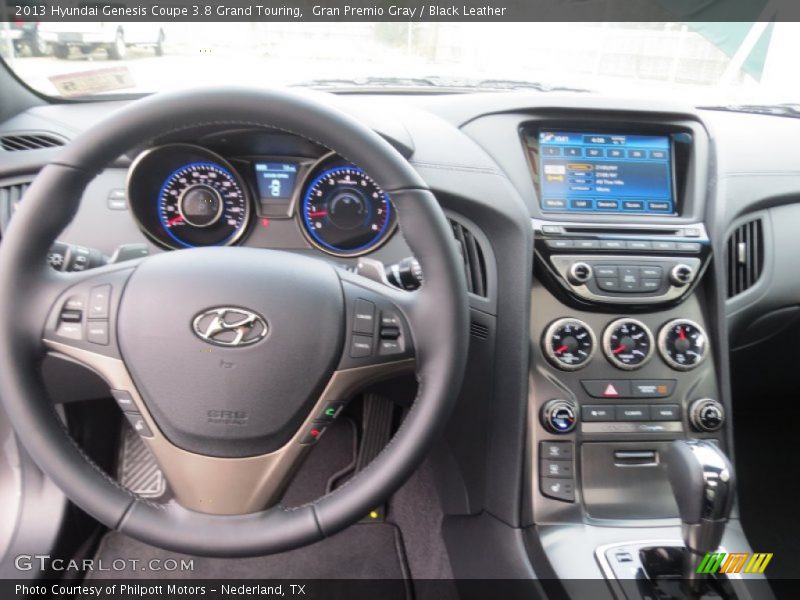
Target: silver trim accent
x,y
217,325
612,358
605,567
227,486
549,351
662,344
632,427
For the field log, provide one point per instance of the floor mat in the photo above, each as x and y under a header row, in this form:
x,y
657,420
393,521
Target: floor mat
x,y
363,551
369,551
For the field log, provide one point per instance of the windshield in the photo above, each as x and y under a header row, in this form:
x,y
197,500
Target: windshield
x,y
699,63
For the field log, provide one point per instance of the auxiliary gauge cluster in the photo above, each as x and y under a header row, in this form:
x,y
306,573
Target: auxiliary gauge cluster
x,y
628,344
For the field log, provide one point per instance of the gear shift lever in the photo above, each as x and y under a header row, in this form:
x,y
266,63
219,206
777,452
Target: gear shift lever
x,y
702,480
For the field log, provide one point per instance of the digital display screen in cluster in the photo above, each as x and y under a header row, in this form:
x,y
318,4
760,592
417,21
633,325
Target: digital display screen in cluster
x,y
276,180
605,173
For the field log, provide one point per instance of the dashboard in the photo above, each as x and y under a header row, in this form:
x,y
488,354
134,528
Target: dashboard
x,y
615,252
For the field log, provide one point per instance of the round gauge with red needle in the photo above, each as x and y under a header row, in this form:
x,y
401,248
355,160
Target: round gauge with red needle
x,y
683,344
628,344
569,344
345,213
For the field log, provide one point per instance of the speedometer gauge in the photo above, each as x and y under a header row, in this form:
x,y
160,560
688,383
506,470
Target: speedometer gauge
x,y
345,212
183,196
202,204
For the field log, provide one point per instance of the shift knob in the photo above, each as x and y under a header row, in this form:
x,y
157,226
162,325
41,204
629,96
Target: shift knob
x,y
703,482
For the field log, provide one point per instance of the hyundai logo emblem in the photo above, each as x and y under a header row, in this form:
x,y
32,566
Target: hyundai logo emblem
x,y
228,326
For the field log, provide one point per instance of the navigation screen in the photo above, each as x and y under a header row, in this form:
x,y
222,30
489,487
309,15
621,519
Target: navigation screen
x,y
276,180
601,172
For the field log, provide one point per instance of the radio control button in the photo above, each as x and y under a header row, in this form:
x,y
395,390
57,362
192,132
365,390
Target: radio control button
x,y
612,244
639,245
664,246
559,244
608,284
606,271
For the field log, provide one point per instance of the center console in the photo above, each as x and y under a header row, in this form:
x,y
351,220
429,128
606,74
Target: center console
x,y
624,334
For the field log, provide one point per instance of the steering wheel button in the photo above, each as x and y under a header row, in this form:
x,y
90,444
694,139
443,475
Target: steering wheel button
x,y
71,331
389,347
313,434
390,333
97,332
364,317
360,346
330,412
75,303
99,299
71,316
389,319
139,424
124,400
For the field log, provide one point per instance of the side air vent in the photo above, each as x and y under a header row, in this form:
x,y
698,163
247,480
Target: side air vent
x,y
474,263
10,195
30,141
745,255
479,331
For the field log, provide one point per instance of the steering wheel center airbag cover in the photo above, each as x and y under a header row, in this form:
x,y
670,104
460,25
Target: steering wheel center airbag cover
x,y
230,347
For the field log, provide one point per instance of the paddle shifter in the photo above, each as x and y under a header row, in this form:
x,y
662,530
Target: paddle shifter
x,y
702,480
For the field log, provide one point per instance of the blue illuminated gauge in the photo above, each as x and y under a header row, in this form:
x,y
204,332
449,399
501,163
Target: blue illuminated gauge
x,y
203,204
345,212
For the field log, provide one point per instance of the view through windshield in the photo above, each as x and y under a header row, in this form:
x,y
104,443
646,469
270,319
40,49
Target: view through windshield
x,y
702,63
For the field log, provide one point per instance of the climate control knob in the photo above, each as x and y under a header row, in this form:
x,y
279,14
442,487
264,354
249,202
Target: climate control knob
x,y
681,275
580,273
559,416
706,415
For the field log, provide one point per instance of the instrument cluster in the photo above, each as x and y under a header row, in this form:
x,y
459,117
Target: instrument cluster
x,y
186,196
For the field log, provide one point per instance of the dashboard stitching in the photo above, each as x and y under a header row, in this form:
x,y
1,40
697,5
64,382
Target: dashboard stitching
x,y
457,167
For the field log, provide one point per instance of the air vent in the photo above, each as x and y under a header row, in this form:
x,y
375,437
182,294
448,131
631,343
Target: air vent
x,y
10,195
745,257
30,141
474,264
479,331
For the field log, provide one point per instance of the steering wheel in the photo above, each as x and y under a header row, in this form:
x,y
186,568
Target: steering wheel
x,y
228,361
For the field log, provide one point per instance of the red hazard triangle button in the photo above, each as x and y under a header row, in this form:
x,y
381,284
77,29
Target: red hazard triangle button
x,y
610,390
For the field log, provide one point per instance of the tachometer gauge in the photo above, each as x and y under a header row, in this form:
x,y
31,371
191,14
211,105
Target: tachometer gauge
x,y
569,344
345,212
683,344
628,343
202,204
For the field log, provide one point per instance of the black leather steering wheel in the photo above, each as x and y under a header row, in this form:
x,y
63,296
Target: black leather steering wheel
x,y
228,439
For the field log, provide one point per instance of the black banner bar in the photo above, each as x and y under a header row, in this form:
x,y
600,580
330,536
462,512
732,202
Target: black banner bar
x,y
401,10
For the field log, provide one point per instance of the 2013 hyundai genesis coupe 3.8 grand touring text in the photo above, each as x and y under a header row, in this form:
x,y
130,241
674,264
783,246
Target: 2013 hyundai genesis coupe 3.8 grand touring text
x,y
415,309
